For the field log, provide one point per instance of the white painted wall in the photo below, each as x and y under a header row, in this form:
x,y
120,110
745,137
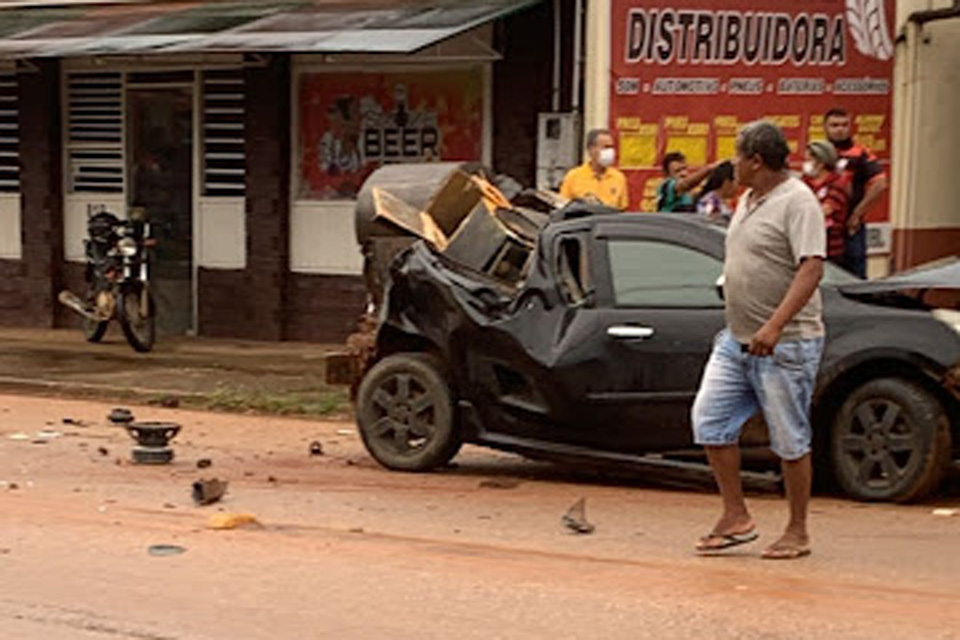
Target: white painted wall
x,y
222,229
11,244
322,238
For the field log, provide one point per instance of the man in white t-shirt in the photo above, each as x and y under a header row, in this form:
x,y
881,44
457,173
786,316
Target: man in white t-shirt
x,y
767,357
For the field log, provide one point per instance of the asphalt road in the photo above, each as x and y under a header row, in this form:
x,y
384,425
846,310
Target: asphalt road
x,y
347,550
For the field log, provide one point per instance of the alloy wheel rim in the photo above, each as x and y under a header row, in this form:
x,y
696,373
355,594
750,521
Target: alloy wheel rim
x,y
880,445
404,414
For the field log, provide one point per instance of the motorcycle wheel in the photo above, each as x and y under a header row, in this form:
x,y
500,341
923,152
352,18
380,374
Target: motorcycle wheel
x,y
92,329
139,330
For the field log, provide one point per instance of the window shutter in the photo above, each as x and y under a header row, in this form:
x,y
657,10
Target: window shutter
x,y
224,156
95,159
9,134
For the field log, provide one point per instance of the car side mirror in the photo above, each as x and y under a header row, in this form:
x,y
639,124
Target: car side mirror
x,y
719,285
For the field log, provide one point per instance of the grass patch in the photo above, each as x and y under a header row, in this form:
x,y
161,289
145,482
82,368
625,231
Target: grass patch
x,y
326,403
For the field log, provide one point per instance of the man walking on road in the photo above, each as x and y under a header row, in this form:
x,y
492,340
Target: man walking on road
x,y
597,178
868,180
767,356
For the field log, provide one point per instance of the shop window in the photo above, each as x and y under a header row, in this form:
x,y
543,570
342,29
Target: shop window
x,y
95,159
224,156
9,134
352,123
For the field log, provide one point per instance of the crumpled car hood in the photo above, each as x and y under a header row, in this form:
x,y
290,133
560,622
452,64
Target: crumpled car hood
x,y
942,274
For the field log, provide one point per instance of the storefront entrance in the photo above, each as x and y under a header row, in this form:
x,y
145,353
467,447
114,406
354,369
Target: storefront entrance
x,y
160,156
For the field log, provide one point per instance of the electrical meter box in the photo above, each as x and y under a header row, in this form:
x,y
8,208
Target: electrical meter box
x,y
558,147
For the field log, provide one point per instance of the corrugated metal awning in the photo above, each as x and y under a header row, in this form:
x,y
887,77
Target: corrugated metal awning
x,y
305,26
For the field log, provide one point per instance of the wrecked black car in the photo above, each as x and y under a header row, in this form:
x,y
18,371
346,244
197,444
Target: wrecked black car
x,y
590,342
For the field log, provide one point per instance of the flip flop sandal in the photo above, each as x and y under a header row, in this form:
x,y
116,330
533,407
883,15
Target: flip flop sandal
x,y
727,540
785,553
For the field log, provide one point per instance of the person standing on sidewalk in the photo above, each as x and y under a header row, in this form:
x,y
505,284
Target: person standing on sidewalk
x,y
597,178
868,184
767,356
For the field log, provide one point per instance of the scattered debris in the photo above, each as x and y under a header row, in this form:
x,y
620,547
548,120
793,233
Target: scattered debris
x,y
74,422
10,486
356,530
271,479
19,436
316,448
103,451
248,474
203,463
152,439
946,513
232,521
208,491
499,483
120,415
345,432
169,505
575,519
165,550
48,434
40,441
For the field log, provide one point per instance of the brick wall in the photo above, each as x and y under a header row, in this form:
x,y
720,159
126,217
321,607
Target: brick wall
x,y
323,308
268,198
12,295
41,192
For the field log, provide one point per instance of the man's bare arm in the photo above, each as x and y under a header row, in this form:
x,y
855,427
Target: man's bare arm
x,y
695,178
875,190
805,283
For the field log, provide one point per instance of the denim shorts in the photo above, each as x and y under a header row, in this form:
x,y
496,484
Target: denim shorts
x,y
736,385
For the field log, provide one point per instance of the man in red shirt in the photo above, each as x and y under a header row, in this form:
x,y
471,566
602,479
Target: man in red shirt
x,y
832,189
868,183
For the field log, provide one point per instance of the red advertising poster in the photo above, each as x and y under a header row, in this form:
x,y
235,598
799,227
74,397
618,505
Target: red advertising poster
x,y
352,123
687,75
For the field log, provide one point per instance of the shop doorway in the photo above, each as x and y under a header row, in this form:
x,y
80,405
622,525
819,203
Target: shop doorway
x,y
160,152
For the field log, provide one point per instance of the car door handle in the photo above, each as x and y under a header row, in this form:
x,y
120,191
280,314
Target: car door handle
x,y
629,332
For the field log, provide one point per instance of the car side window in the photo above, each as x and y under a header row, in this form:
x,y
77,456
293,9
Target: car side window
x,y
573,273
648,273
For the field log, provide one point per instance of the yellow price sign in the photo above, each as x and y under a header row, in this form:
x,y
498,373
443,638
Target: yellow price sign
x,y
693,148
638,151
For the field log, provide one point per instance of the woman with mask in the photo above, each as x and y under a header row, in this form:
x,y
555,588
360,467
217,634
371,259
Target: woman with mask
x,y
832,189
713,200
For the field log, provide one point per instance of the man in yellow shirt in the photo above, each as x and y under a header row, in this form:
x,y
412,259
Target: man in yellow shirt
x,y
597,179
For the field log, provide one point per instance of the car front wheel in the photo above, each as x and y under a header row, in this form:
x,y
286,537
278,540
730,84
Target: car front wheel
x,y
890,441
405,412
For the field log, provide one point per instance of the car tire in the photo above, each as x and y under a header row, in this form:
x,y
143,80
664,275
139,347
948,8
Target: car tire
x,y
890,441
405,412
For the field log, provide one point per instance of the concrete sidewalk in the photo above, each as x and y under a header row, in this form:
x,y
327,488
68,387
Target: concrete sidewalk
x,y
273,377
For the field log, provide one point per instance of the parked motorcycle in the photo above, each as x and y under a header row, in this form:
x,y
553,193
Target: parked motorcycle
x,y
118,279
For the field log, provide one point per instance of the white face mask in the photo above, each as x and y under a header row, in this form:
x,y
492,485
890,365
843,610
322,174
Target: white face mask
x,y
809,168
607,156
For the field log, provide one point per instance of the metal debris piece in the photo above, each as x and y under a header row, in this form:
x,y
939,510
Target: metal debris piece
x,y
499,483
48,434
120,415
316,448
575,519
162,550
946,513
152,439
103,451
74,422
345,432
19,436
203,463
208,491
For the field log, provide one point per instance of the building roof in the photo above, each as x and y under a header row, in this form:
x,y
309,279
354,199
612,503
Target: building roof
x,y
321,26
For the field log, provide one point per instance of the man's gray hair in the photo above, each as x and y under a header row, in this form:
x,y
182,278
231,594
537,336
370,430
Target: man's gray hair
x,y
593,134
764,139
